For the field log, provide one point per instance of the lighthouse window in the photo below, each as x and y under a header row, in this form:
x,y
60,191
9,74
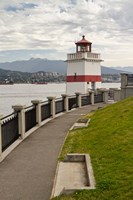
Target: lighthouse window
x,y
75,75
83,48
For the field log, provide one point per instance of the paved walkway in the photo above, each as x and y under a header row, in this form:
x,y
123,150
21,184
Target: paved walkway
x,y
28,172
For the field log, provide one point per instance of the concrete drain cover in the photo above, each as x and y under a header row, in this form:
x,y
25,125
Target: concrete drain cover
x,y
81,123
74,173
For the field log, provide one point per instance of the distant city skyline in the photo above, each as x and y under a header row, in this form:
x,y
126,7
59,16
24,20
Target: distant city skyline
x,y
48,29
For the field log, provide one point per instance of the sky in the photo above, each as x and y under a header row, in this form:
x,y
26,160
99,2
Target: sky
x,y
50,28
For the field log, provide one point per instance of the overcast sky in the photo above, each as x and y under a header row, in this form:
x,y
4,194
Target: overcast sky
x,y
49,28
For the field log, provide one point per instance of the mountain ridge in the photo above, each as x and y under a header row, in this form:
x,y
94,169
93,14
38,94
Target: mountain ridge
x,y
37,64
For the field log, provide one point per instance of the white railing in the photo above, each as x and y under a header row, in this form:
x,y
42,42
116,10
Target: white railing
x,y
93,55
81,55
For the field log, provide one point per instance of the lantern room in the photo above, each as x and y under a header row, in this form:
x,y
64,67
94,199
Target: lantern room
x,y
83,45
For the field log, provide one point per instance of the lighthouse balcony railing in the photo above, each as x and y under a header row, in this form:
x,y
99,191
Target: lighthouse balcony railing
x,y
74,56
93,55
83,55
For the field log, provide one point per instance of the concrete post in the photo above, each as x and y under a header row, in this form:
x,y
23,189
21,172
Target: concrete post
x,y
123,85
52,102
104,92
124,80
21,118
37,103
117,95
105,95
92,97
65,97
78,95
0,138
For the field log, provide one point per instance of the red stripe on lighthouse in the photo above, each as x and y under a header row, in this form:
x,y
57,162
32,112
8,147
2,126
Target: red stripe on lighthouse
x,y
82,78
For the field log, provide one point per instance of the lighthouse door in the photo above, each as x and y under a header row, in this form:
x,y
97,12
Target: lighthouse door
x,y
93,85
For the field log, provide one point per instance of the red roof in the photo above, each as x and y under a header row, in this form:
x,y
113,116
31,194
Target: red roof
x,y
83,41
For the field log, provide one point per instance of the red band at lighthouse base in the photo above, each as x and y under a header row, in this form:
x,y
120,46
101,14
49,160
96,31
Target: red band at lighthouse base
x,y
84,78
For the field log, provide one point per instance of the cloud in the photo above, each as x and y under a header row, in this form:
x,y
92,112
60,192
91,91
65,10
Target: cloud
x,y
55,25
21,6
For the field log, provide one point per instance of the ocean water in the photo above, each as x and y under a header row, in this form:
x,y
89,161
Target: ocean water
x,y
24,93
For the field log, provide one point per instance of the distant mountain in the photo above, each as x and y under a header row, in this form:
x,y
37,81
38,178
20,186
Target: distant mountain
x,y
108,70
125,69
35,65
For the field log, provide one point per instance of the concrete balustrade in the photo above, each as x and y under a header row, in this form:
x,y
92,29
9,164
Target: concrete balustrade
x,y
65,97
21,118
78,95
117,94
52,102
92,97
105,95
21,110
37,103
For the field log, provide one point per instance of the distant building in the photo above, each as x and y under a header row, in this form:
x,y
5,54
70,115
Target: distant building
x,y
83,68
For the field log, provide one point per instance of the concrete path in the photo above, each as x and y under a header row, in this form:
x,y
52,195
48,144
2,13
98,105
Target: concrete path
x,y
28,172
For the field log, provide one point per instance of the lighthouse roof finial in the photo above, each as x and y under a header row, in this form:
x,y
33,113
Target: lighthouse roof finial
x,y
83,41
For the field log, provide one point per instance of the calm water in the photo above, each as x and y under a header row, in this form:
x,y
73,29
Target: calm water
x,y
24,93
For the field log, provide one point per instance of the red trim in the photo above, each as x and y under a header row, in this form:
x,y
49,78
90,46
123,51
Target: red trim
x,y
83,78
83,41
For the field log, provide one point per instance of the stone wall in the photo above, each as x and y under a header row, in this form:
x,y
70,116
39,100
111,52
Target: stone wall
x,y
126,85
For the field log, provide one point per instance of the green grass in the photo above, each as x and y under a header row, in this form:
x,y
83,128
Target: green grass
x,y
109,141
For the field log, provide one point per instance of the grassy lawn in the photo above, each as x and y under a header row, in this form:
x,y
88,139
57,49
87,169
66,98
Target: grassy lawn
x,y
109,141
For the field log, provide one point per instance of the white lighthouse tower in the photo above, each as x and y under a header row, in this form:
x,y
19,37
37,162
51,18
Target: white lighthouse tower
x,y
83,69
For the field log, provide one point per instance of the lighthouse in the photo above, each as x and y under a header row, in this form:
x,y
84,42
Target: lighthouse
x,y
83,69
